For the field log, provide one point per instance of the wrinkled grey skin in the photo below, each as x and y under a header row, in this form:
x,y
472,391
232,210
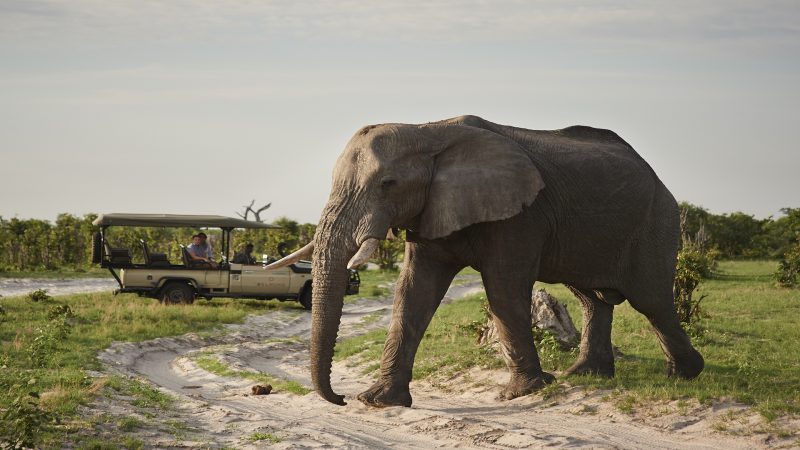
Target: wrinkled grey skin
x,y
576,206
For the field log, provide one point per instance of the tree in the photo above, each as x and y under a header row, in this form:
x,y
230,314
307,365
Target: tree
x,y
781,234
256,212
735,234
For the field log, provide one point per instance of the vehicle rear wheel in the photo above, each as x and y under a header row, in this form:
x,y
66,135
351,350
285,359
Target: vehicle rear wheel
x,y
305,298
177,292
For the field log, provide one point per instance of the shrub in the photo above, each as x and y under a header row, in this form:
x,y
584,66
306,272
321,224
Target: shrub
x,y
60,311
789,267
24,422
39,295
48,336
695,261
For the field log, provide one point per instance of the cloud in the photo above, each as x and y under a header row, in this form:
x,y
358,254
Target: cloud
x,y
415,20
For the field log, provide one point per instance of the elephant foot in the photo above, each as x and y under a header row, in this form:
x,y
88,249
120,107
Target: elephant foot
x,y
686,366
520,385
592,366
383,394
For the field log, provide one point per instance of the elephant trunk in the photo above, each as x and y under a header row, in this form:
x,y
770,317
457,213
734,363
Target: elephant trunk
x,y
334,244
330,283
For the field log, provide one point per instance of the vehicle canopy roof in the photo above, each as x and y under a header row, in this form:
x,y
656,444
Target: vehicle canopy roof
x,y
176,220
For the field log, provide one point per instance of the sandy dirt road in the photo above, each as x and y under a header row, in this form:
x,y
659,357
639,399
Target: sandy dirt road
x,y
461,412
55,286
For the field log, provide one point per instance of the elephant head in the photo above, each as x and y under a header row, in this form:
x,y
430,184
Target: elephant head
x,y
432,179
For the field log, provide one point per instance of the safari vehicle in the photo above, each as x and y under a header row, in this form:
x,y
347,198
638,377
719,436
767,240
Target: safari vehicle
x,y
181,281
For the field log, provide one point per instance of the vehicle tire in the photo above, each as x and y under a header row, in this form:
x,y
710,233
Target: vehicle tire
x,y
176,292
97,248
305,298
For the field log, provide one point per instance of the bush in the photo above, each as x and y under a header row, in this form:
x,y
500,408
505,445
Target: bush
x,y
39,295
24,422
789,267
695,261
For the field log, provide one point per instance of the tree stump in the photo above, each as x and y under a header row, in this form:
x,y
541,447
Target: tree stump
x,y
547,314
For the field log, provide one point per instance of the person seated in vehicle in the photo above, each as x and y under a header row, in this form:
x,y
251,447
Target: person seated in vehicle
x,y
200,249
245,256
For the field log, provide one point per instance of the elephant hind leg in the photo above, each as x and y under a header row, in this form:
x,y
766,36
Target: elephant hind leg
x,y
596,354
683,360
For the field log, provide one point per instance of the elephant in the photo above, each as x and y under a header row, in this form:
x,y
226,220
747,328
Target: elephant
x,y
576,206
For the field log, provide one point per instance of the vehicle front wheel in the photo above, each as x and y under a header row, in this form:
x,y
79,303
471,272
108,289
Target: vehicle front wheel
x,y
176,292
305,298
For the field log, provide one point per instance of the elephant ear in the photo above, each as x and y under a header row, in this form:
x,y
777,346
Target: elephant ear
x,y
479,176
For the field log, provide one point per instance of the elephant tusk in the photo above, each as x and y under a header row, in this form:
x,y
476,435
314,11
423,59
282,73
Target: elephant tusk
x,y
364,253
391,235
292,258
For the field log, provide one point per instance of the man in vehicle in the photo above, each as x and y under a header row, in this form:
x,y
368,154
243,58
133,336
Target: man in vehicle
x,y
200,250
245,256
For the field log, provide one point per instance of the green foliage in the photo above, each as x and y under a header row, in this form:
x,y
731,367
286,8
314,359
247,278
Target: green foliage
x,y
146,396
259,436
740,235
389,251
688,274
789,267
46,340
694,262
56,343
60,311
735,234
39,245
23,423
552,355
39,295
781,234
35,244
266,242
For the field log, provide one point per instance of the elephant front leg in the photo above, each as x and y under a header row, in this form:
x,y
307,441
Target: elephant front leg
x,y
510,303
421,287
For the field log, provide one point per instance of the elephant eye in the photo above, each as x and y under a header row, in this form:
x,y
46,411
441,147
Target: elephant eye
x,y
387,182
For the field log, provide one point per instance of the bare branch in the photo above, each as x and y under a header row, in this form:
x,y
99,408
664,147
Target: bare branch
x,y
260,210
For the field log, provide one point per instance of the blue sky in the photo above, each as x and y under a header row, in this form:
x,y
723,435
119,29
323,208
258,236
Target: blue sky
x,y
200,107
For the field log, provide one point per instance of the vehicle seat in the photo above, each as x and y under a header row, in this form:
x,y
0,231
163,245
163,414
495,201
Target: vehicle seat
x,y
189,262
118,255
153,259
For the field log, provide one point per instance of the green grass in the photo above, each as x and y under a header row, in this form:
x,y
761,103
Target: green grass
x,y
259,436
748,338
373,284
146,396
52,356
209,362
448,345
